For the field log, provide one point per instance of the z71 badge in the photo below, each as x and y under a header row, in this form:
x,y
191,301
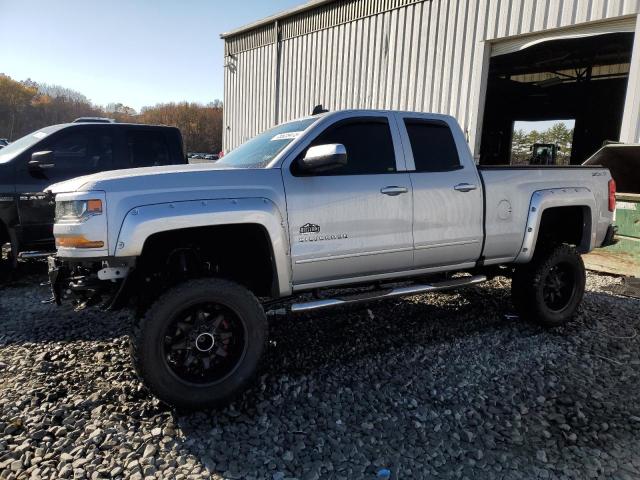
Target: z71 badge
x,y
309,228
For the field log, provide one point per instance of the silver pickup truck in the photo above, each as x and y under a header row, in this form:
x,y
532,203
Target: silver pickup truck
x,y
344,207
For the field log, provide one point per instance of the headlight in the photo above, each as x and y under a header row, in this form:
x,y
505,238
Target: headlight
x,y
74,211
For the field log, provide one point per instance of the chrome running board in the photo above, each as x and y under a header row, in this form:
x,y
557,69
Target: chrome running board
x,y
416,289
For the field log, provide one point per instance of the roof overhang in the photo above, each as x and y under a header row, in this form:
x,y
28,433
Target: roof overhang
x,y
310,5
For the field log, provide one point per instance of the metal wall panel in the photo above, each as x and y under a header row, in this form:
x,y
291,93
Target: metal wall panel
x,y
424,55
249,92
631,121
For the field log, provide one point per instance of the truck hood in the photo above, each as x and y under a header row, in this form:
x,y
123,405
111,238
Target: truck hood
x,y
166,178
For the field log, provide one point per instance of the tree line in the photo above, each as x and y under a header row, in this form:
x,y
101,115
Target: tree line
x,y
558,134
27,106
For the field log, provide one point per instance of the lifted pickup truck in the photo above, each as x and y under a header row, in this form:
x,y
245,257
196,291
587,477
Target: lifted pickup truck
x,y
353,206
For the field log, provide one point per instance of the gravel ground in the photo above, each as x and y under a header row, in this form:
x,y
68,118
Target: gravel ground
x,y
437,386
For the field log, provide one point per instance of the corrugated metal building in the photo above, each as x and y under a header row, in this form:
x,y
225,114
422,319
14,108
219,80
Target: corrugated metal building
x,y
486,62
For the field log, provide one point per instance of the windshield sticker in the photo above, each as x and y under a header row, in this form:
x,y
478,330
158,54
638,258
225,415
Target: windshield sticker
x,y
40,135
286,136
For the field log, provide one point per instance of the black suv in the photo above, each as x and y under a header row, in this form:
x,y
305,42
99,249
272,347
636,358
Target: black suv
x,y
61,152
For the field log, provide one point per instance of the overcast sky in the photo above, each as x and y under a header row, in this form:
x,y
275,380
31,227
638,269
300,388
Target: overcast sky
x,y
138,52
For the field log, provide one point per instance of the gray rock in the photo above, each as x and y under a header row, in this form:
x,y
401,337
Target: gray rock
x,y
288,456
541,455
149,451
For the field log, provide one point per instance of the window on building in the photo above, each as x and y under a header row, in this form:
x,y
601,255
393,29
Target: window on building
x,y
434,148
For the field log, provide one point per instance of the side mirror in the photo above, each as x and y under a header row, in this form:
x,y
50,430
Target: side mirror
x,y
41,161
324,158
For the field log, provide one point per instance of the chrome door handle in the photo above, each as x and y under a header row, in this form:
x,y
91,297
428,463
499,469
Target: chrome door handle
x,y
465,187
394,191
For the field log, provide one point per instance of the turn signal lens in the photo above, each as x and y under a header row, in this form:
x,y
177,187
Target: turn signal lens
x,y
612,195
77,241
94,207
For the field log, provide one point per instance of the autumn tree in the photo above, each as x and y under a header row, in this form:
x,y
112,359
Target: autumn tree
x,y
15,99
28,106
201,126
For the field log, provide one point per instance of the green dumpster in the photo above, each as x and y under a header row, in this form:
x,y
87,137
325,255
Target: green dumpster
x,y
623,258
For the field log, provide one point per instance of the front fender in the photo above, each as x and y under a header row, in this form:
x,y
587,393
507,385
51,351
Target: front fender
x,y
558,197
140,223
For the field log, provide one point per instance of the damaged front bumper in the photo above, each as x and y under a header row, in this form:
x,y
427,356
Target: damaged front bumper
x,y
91,282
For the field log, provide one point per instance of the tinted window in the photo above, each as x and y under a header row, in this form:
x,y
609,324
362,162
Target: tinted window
x,y
147,149
82,153
19,146
369,146
433,146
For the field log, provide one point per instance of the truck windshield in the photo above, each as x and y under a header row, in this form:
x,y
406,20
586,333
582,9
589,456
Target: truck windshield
x,y
261,150
16,148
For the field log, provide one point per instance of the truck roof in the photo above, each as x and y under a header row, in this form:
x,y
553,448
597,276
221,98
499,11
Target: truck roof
x,y
104,124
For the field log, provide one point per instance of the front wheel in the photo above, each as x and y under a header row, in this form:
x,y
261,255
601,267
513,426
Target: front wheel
x,y
200,344
550,288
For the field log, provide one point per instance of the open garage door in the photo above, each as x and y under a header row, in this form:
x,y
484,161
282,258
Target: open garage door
x,y
579,79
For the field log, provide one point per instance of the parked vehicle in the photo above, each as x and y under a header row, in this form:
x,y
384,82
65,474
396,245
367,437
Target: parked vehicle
x,y
58,153
544,154
211,157
4,142
354,206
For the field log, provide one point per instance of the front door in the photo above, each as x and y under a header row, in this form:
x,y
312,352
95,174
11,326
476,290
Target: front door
x,y
76,151
355,221
447,193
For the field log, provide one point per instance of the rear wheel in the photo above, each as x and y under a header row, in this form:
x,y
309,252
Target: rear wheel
x,y
550,288
200,344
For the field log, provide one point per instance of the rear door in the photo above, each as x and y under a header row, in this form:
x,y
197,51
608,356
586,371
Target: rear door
x,y
146,147
355,221
447,193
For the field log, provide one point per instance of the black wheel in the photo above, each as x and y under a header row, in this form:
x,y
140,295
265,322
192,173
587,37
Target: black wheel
x,y
200,344
550,288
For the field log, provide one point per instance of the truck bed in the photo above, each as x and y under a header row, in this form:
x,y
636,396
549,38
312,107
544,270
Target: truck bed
x,y
508,193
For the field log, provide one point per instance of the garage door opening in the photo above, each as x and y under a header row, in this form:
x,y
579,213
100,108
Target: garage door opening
x,y
581,79
546,142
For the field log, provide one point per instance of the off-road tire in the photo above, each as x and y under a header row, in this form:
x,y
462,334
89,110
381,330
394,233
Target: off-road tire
x,y
147,344
529,283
